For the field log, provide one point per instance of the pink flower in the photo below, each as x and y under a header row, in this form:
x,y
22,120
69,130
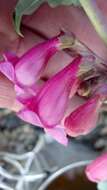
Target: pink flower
x,y
97,170
28,68
32,64
84,119
45,104
53,97
51,101
26,71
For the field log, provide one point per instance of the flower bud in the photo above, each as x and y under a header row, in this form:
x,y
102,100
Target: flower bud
x,y
97,170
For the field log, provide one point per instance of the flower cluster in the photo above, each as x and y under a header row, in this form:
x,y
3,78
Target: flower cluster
x,y
45,102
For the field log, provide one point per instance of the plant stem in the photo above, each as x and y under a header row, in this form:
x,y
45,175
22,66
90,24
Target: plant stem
x,y
96,17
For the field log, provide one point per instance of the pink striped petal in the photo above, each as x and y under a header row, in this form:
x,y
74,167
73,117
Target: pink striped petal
x,y
97,170
33,62
58,134
30,117
7,69
83,120
7,66
53,97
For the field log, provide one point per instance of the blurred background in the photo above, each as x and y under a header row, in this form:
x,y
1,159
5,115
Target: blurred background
x,y
28,157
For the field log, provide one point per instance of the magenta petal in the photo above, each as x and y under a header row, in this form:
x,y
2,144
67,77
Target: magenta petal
x,y
7,66
11,57
83,120
97,170
30,117
58,134
22,95
25,94
52,99
7,69
32,63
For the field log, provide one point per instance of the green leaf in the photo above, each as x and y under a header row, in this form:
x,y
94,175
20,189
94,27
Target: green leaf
x,y
27,7
102,185
18,19
55,3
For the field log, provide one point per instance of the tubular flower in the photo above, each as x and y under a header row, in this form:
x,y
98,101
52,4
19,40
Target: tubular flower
x,y
26,71
83,120
97,170
51,101
31,65
53,97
